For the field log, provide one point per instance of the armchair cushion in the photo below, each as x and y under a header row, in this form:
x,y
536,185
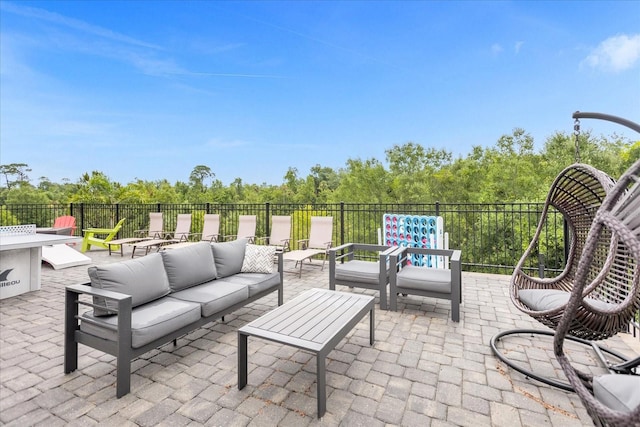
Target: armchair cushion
x,y
426,279
358,271
618,391
258,259
228,257
189,266
144,279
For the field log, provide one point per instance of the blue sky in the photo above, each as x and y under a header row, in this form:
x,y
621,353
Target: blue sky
x,y
150,89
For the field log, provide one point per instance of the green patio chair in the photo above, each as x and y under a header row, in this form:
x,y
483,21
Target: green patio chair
x,y
90,238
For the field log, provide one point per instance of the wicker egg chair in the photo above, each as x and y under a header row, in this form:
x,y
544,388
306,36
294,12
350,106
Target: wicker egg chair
x,y
612,399
577,193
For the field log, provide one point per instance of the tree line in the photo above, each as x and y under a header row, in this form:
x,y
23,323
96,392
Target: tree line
x,y
509,171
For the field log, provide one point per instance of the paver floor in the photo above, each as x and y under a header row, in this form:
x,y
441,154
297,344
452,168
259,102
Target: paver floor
x,y
423,370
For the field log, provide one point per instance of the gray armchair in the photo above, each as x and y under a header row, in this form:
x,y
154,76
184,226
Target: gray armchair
x,y
408,279
348,268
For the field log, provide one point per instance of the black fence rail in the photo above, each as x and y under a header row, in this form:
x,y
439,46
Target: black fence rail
x,y
491,236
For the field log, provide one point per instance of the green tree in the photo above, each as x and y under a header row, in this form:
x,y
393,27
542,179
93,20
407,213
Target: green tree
x,y
95,188
363,182
412,167
15,173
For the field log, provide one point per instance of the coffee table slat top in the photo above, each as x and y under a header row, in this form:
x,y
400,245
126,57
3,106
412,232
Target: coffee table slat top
x,y
311,319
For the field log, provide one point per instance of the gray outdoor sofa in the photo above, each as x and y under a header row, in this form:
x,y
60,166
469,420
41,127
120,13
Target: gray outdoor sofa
x,y
143,303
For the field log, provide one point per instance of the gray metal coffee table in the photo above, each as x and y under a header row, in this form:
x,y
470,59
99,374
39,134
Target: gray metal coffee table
x,y
316,321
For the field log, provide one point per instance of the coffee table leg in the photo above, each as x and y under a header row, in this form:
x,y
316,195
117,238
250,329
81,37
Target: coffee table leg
x,y
372,328
242,360
322,385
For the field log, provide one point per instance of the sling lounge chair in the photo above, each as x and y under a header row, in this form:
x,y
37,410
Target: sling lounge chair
x,y
90,236
280,235
246,229
210,229
181,234
319,242
153,232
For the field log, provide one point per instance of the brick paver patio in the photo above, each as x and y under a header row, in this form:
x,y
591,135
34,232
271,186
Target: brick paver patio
x,y
423,369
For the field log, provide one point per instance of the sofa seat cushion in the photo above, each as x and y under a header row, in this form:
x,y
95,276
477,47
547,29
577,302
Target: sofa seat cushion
x,y
228,257
550,299
189,265
143,278
424,279
214,296
359,271
255,282
617,391
148,322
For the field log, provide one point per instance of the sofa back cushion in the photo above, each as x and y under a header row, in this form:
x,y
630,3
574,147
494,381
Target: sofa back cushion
x,y
228,257
189,265
143,278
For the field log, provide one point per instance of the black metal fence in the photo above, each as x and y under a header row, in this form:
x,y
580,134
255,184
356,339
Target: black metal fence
x,y
491,236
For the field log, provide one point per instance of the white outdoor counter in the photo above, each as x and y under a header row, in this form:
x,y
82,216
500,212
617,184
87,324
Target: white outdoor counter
x,y
21,259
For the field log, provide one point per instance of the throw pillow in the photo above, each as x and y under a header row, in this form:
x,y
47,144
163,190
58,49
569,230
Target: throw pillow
x,y
258,259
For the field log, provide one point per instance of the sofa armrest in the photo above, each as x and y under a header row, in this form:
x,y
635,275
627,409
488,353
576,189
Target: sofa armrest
x,y
72,325
73,303
86,288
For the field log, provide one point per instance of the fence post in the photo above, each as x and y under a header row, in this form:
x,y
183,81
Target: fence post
x,y
341,223
267,228
437,208
541,265
82,227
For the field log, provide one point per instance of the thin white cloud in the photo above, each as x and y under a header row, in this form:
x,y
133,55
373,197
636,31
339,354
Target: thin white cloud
x,y
44,15
119,47
496,49
615,54
518,46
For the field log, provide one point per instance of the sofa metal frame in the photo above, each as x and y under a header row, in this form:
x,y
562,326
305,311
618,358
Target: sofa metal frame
x,y
122,348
